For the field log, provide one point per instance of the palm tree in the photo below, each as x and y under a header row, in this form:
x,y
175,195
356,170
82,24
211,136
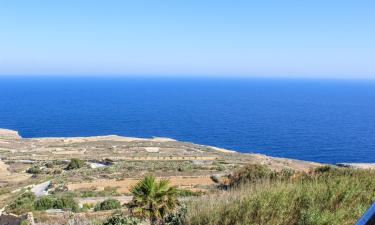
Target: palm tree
x,y
152,199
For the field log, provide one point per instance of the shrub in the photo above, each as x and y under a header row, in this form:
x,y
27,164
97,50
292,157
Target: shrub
x,y
324,169
25,222
188,193
49,165
249,174
44,203
254,173
67,203
122,219
108,204
75,164
51,202
22,204
220,168
87,206
34,170
57,171
177,217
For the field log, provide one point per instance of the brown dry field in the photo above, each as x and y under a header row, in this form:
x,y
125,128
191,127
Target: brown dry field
x,y
6,176
125,185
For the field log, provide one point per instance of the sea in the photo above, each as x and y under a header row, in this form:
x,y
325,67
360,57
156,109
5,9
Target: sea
x,y
327,121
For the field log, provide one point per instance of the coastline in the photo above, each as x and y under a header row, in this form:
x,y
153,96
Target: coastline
x,y
9,137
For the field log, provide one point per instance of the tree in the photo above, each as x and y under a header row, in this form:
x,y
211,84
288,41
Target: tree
x,y
153,199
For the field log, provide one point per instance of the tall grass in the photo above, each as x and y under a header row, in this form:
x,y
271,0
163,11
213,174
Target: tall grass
x,y
327,197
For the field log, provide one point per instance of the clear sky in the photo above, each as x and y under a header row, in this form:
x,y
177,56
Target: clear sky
x,y
312,38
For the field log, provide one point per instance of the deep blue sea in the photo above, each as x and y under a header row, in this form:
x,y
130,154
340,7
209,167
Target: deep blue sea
x,y
319,120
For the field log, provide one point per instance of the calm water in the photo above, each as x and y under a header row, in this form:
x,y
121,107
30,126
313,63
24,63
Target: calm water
x,y
325,121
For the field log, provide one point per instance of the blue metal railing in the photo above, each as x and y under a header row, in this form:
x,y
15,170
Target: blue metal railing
x,y
368,217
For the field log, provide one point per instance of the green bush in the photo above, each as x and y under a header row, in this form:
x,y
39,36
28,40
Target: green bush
x,y
52,202
254,173
324,169
49,165
108,204
22,204
177,217
34,170
188,193
67,203
249,174
122,219
44,203
87,206
75,164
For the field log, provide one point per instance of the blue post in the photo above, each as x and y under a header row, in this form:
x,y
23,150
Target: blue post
x,y
368,217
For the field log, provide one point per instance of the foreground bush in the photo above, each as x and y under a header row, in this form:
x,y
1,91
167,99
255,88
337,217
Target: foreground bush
x,y
329,196
176,217
22,204
108,204
122,219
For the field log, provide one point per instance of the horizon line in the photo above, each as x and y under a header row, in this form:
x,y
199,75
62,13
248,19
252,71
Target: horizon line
x,y
185,76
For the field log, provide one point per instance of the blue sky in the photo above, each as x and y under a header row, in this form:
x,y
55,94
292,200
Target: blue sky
x,y
320,38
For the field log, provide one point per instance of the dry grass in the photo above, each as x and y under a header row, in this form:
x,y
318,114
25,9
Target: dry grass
x,y
7,177
126,184
333,198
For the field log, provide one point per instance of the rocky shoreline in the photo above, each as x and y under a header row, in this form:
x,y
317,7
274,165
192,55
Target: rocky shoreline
x,y
14,147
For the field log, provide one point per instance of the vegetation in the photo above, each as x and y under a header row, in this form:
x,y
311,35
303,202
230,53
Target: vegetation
x,y
253,173
334,196
176,217
28,202
108,204
153,199
34,170
22,204
188,193
122,219
87,206
52,202
75,164
44,203
108,191
66,203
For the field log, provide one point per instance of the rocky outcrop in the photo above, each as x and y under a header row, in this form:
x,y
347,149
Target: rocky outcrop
x,y
12,219
9,134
